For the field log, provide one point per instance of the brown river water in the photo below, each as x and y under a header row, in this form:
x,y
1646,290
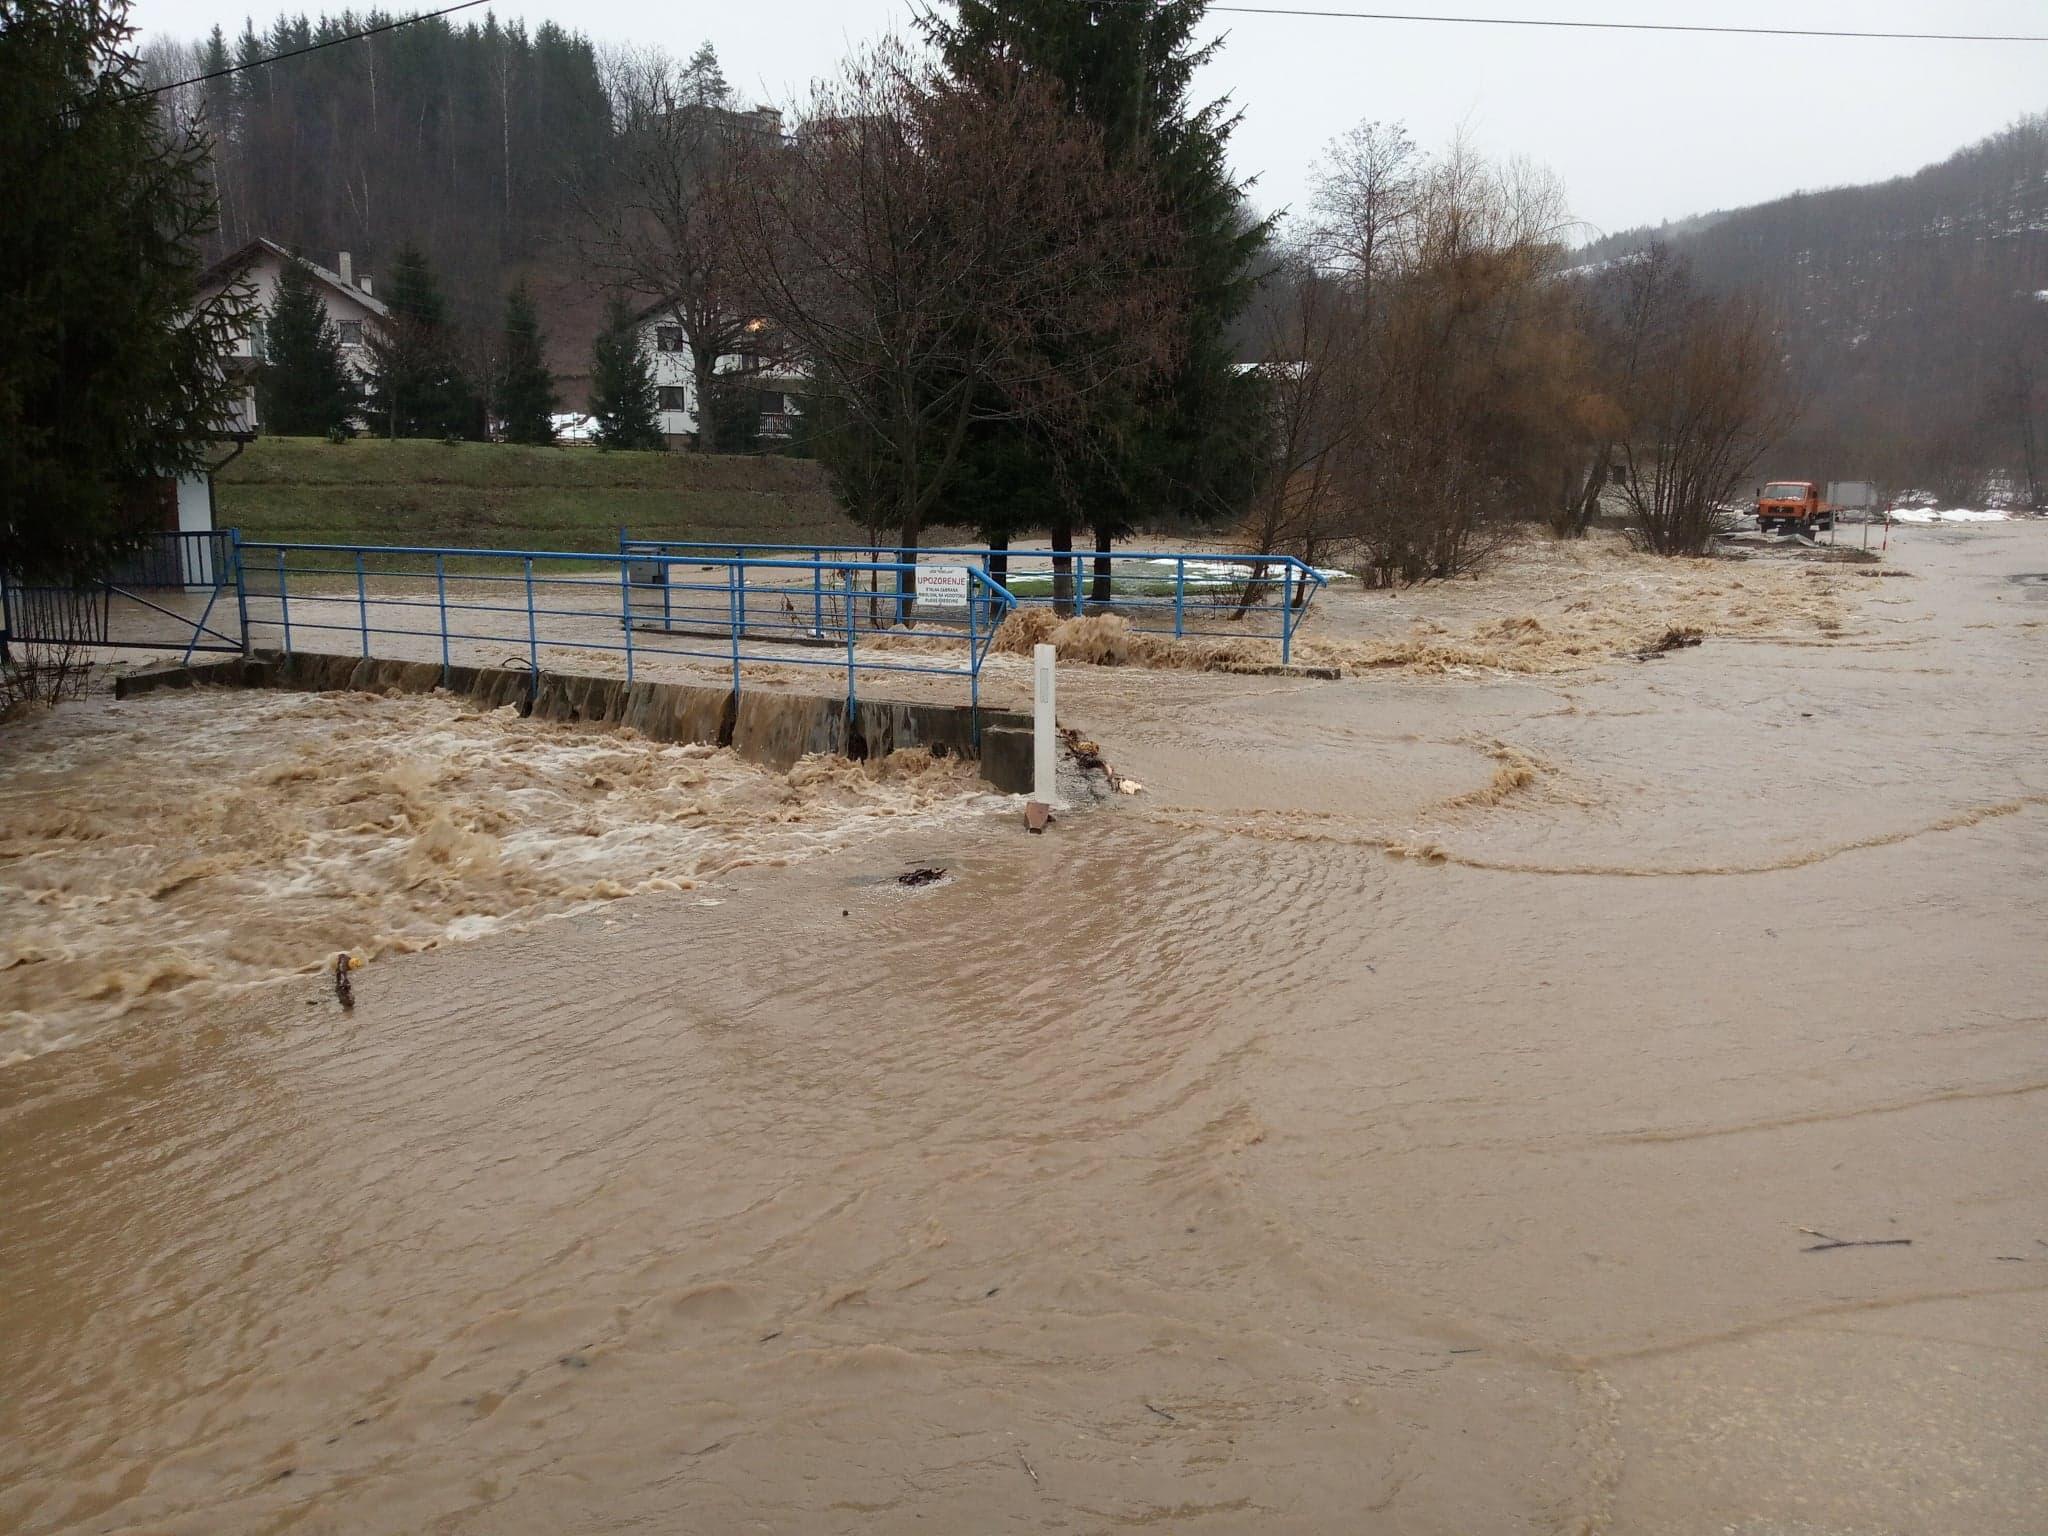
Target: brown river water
x,y
1406,1115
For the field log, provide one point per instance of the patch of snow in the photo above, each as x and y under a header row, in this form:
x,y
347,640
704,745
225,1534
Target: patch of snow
x,y
1950,515
573,427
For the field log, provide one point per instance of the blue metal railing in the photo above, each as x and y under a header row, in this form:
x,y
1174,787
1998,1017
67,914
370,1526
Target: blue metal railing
x,y
193,561
1163,592
734,611
142,601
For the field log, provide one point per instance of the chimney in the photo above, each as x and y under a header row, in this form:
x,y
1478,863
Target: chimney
x,y
347,271
364,284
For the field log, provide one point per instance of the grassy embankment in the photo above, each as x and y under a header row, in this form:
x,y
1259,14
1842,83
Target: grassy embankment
x,y
499,496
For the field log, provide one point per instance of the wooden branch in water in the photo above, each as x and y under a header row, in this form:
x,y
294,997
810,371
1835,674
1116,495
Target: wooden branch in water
x,y
1828,1242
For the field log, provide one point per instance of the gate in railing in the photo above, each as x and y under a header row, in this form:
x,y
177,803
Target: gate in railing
x,y
161,597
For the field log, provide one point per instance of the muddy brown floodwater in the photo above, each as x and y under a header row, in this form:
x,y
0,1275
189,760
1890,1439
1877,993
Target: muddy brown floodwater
x,y
1414,1113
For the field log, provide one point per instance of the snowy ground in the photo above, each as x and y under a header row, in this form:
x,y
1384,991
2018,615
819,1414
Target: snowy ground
x,y
1950,515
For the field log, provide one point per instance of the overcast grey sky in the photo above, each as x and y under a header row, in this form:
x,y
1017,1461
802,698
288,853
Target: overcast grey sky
x,y
1640,127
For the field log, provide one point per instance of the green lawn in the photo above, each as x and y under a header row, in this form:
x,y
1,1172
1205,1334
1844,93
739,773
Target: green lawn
x,y
498,496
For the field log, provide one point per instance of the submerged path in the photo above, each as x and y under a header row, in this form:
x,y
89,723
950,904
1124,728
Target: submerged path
x,y
1425,1109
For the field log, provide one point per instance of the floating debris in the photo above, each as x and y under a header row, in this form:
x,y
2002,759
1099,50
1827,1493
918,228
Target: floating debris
x,y
1678,638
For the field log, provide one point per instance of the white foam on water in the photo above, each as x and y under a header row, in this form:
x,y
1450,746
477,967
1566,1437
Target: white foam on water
x,y
172,848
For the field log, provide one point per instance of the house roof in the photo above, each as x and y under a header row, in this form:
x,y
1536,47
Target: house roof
x,y
659,306
237,261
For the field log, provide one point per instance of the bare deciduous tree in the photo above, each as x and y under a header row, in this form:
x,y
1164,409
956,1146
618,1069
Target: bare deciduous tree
x,y
1704,389
1470,386
653,219
1311,367
942,254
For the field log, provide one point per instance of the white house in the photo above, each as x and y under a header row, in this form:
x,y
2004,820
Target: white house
x,y
355,311
779,386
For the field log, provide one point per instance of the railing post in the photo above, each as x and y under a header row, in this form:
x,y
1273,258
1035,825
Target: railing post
x,y
732,587
852,590
1286,611
626,602
818,593
1180,595
284,603
362,605
532,635
973,665
441,597
241,586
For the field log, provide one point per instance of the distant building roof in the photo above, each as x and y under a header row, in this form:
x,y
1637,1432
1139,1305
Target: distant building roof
x,y
239,260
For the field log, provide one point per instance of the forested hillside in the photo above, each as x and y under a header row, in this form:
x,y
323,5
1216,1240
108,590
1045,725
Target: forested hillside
x,y
1916,312
471,142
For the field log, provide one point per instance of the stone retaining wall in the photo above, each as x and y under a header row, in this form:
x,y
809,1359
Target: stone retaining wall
x,y
774,729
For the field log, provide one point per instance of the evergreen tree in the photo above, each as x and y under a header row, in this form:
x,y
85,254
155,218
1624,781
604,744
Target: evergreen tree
x,y
109,365
417,387
526,390
1190,447
704,82
622,395
732,417
480,139
305,389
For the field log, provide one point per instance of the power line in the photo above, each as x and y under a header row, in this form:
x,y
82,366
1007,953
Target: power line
x,y
331,42
1615,26
1691,28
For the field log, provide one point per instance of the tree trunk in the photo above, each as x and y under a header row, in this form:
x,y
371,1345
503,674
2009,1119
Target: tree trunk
x,y
1596,482
999,559
906,581
1062,569
706,370
1254,588
1102,585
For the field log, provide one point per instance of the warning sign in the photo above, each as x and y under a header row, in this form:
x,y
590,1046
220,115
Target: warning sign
x,y
942,586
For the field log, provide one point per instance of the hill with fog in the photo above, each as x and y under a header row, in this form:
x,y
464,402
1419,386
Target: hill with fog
x,y
1915,312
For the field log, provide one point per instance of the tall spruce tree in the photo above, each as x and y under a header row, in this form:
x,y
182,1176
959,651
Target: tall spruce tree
x,y
1189,447
305,389
622,394
417,386
109,364
526,390
704,83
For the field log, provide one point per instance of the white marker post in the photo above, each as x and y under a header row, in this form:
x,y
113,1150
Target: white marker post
x,y
1044,735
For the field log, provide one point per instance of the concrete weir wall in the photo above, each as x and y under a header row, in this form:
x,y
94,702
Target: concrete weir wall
x,y
774,729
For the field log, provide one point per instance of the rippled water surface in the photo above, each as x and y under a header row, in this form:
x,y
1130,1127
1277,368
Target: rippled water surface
x,y
1405,1115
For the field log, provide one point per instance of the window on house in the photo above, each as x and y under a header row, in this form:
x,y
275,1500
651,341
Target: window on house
x,y
672,398
351,333
259,342
668,338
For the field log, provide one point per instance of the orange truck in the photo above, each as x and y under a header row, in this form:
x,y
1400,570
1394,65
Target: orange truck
x,y
1793,506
